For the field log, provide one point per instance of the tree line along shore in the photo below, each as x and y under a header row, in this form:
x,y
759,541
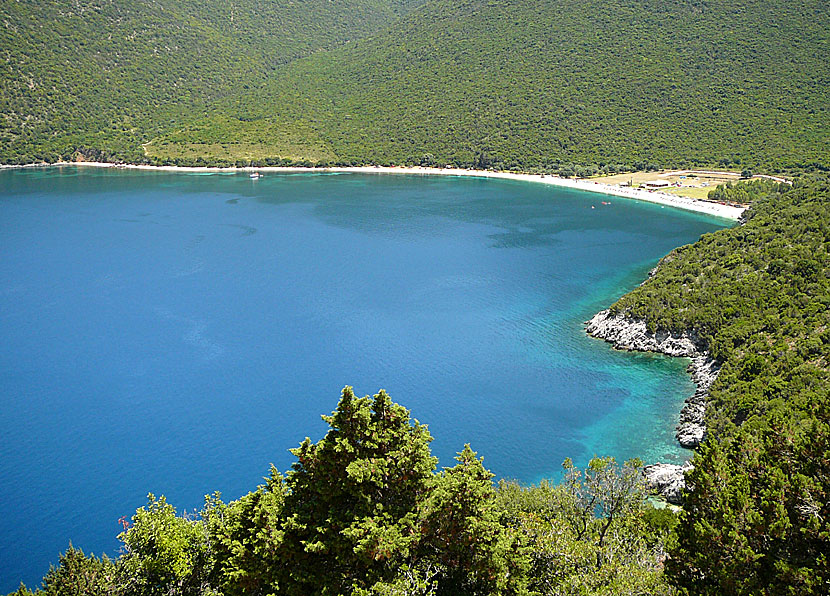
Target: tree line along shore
x,y
716,206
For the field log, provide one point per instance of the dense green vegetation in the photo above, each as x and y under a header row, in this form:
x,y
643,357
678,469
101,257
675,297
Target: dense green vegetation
x,y
758,296
363,512
100,77
575,87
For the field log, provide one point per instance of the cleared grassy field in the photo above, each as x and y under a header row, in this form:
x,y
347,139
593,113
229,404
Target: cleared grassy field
x,y
695,185
694,192
250,141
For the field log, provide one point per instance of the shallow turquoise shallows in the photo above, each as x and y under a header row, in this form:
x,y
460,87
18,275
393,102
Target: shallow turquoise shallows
x,y
176,333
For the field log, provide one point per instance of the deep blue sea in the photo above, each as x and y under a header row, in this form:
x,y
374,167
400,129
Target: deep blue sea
x,y
176,333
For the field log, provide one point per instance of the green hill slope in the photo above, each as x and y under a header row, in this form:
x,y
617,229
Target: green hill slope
x,y
758,296
534,83
109,75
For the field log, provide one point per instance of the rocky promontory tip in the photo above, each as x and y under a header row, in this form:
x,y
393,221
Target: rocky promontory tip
x,y
633,334
667,480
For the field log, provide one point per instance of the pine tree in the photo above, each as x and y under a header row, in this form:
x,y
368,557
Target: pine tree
x,y
353,513
246,536
758,518
466,536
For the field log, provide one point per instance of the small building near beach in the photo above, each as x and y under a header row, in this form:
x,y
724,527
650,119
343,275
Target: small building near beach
x,y
655,184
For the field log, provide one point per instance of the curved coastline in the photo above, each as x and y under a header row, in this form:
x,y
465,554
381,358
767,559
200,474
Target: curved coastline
x,y
622,332
633,335
629,334
667,200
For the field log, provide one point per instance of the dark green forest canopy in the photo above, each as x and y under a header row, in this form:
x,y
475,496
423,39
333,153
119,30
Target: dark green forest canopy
x,y
536,84
758,296
108,75
521,84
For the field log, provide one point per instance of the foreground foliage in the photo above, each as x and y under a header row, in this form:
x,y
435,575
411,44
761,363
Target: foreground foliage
x,y
364,512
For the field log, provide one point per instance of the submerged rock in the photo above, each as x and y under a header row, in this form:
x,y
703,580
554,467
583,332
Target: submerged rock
x,y
633,334
668,480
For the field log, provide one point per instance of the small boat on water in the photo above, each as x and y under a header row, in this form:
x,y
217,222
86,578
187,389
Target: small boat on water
x,y
255,175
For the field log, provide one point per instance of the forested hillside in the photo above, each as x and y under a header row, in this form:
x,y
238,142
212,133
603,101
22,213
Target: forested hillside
x,y
619,84
573,86
758,296
108,75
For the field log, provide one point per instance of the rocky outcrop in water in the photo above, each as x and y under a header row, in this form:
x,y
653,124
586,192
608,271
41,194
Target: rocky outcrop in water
x,y
668,480
632,334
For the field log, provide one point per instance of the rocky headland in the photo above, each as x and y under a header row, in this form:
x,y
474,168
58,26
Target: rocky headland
x,y
632,334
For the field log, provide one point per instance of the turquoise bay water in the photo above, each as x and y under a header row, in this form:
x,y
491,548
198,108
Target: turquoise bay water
x,y
175,333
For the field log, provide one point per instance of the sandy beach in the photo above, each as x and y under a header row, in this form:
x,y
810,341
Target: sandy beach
x,y
663,199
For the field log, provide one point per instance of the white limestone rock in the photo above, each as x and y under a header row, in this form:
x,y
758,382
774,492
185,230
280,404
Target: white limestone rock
x,y
668,480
